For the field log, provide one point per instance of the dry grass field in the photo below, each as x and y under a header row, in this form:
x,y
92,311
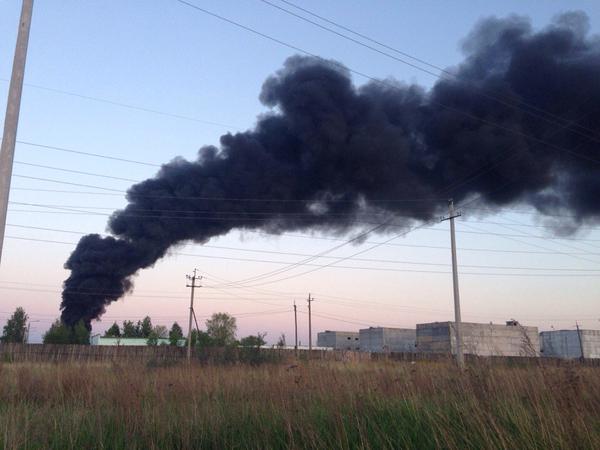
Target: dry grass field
x,y
317,405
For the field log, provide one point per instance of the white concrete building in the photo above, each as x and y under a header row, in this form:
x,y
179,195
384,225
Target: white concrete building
x,y
567,344
338,340
384,340
512,339
98,339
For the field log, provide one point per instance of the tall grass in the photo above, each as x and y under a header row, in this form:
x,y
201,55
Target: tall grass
x,y
370,405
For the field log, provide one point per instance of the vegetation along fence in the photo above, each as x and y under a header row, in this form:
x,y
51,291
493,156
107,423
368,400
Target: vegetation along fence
x,y
170,354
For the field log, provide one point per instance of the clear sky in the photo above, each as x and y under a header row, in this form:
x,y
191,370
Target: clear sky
x,y
165,57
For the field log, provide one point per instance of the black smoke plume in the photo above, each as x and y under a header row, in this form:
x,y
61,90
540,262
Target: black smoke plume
x,y
518,123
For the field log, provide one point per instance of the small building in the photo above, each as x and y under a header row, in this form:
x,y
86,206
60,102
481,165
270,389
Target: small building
x,y
338,340
512,339
569,343
383,340
98,339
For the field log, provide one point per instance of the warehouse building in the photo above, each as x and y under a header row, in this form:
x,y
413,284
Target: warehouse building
x,y
338,340
383,340
570,343
512,339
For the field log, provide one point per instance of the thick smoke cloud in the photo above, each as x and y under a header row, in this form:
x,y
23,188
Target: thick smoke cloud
x,y
338,154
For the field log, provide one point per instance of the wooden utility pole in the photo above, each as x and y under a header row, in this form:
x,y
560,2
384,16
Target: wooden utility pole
x,y
310,300
460,359
11,119
193,278
295,329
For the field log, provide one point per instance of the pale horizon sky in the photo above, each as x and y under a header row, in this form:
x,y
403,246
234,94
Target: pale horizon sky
x,y
164,57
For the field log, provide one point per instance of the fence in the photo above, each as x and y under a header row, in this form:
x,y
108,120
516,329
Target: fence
x,y
170,354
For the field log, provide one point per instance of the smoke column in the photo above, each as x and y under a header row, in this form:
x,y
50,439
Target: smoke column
x,y
330,154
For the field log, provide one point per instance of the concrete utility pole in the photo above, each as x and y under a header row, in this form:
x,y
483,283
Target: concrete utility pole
x,y
295,329
193,286
310,300
11,119
580,342
460,359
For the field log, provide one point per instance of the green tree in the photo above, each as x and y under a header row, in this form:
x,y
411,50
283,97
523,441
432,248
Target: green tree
x,y
175,334
254,341
129,329
157,333
16,327
221,328
80,334
113,331
58,333
146,327
204,339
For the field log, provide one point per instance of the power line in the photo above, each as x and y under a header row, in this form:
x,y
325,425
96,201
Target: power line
x,y
61,169
66,210
126,105
388,261
231,199
332,265
79,152
122,193
436,75
512,238
434,247
383,83
49,180
358,237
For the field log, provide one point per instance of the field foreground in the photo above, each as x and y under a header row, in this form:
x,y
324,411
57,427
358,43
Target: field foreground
x,y
318,405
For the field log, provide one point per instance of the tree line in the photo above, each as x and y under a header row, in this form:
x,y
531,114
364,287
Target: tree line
x,y
221,331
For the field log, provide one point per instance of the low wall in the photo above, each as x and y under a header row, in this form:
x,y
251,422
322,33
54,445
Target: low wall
x,y
167,354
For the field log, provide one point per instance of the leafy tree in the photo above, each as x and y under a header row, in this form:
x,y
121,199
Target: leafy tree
x,y
58,333
113,331
146,327
204,339
80,334
176,334
157,333
281,341
129,329
16,327
152,339
253,341
221,328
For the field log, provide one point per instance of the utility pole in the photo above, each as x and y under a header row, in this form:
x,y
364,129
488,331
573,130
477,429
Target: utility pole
x,y
460,359
11,119
310,300
295,329
193,278
580,342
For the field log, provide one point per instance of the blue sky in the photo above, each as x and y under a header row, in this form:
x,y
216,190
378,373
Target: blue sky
x,y
166,57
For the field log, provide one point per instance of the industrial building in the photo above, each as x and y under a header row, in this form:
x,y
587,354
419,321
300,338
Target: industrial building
x,y
512,339
338,340
380,339
570,343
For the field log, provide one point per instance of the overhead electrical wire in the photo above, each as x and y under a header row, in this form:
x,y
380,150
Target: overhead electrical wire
x,y
125,105
446,74
381,82
79,152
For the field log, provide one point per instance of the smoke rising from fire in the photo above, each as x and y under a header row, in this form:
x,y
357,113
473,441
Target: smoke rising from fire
x,y
519,123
